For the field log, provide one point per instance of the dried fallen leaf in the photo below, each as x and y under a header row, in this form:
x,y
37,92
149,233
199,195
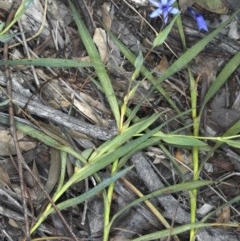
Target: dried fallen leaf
x,y
89,113
185,160
106,16
162,65
7,146
224,215
100,39
95,103
13,223
4,177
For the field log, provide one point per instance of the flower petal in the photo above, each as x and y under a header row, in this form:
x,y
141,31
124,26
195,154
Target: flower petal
x,y
165,19
156,13
164,2
155,3
192,12
201,23
165,16
174,11
171,2
199,19
163,7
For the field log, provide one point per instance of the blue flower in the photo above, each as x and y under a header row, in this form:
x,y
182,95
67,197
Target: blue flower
x,y
164,7
199,19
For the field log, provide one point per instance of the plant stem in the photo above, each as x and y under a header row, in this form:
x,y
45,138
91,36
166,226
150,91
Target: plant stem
x,y
107,205
195,151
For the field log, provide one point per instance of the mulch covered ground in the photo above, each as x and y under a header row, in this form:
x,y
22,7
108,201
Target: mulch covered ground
x,y
66,104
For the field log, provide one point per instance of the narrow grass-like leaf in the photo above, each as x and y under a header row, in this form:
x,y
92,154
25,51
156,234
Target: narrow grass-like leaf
x,y
233,130
77,200
145,72
220,208
20,11
94,191
104,160
166,190
124,136
182,140
139,61
49,141
176,66
161,37
98,64
222,77
193,51
148,143
233,143
7,37
63,156
48,62
174,231
181,31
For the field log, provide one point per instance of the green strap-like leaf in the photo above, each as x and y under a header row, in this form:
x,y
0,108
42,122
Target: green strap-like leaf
x,y
49,62
161,37
191,53
222,77
98,64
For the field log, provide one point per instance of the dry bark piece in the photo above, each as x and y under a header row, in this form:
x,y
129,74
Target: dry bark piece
x,y
23,98
153,182
172,208
58,117
95,216
135,221
221,115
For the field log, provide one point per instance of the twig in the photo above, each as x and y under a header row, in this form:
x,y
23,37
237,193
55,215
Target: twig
x,y
6,234
28,54
58,117
20,158
81,4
